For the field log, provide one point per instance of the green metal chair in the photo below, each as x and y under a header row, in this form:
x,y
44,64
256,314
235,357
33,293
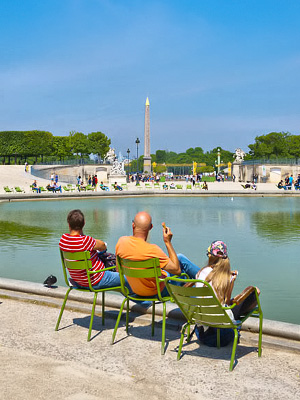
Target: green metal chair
x,y
7,189
200,305
76,261
141,269
19,190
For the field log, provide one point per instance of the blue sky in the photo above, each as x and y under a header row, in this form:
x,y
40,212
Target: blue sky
x,y
217,72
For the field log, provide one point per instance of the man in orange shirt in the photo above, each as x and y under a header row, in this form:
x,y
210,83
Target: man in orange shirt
x,y
137,248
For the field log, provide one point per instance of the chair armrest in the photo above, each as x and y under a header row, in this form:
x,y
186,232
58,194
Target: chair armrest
x,y
103,269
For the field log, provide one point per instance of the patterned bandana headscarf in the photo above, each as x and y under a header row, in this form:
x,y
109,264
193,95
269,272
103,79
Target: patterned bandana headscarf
x,y
218,249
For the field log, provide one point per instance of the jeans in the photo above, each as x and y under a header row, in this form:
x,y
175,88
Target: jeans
x,y
187,267
110,279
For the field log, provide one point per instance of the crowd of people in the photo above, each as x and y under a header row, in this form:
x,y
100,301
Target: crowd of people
x,y
217,272
289,182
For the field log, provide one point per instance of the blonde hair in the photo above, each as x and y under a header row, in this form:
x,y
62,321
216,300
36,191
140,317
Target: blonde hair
x,y
220,275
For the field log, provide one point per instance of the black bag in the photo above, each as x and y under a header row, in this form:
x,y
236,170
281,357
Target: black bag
x,y
209,336
109,260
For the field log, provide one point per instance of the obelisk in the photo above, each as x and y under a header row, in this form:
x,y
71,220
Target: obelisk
x,y
147,157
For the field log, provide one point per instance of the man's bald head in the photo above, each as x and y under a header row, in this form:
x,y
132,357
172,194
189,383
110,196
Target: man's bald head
x,y
142,223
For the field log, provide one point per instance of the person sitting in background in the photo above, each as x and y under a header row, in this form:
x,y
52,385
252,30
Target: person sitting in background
x,y
57,188
53,187
253,186
117,187
103,187
165,186
36,187
204,186
297,183
280,184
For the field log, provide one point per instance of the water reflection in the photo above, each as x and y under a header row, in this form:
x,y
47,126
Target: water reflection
x,y
15,232
277,226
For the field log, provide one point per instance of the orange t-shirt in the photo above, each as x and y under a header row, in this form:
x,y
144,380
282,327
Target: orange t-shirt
x,y
137,249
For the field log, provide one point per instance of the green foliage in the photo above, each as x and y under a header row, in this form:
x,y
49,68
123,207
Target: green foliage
x,y
160,168
206,168
25,143
61,147
161,156
193,154
98,143
79,143
133,165
272,145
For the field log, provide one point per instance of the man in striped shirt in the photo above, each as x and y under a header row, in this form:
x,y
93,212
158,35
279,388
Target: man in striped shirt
x,y
77,241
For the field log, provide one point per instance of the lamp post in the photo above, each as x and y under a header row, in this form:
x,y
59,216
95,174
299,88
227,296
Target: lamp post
x,y
137,142
128,152
219,159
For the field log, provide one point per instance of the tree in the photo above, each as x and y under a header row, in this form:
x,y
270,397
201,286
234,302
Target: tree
x,y
38,143
272,145
61,147
161,156
159,168
79,143
98,143
293,142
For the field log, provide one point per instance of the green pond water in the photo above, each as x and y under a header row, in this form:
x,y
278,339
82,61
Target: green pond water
x,y
262,234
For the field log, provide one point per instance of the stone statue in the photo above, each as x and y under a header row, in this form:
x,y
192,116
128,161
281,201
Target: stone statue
x,y
239,155
110,156
117,168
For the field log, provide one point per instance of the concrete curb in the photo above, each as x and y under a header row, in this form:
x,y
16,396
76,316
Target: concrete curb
x,y
148,193
272,328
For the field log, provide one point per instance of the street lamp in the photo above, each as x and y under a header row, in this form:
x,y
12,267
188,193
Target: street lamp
x,y
219,158
137,142
128,152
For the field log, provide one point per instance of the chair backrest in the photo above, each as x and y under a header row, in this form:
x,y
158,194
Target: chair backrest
x,y
75,261
149,268
199,304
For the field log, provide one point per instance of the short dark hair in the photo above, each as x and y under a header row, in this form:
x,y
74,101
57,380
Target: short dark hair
x,y
76,219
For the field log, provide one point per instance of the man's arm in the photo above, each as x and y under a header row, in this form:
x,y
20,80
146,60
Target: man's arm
x,y
100,245
173,265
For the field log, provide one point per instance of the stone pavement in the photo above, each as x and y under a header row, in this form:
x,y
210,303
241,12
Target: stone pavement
x,y
39,363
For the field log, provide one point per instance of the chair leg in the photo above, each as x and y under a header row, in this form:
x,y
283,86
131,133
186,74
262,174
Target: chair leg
x,y
188,333
236,336
118,320
103,308
127,315
163,338
92,317
181,340
260,333
62,308
218,338
153,318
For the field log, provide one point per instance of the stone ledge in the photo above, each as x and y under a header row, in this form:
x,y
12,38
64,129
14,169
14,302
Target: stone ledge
x,y
11,288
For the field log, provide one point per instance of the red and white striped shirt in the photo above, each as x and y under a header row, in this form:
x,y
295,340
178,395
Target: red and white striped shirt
x,y
83,243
